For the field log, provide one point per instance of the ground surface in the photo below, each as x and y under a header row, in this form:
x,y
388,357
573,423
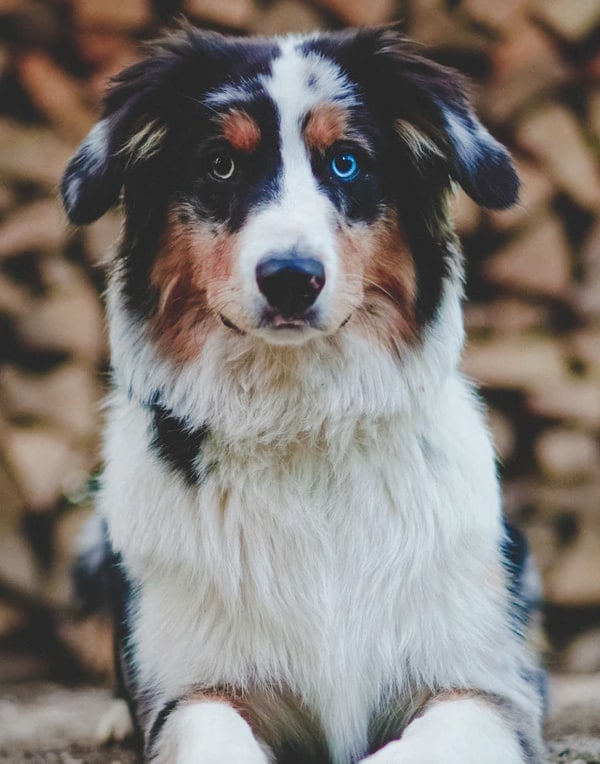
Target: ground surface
x,y
49,724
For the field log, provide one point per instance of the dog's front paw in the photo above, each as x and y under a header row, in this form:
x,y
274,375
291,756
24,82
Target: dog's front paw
x,y
211,733
403,752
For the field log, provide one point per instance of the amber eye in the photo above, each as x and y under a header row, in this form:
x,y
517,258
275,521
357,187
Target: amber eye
x,y
222,167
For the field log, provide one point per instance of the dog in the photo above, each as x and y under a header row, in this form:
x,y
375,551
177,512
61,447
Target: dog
x,y
307,554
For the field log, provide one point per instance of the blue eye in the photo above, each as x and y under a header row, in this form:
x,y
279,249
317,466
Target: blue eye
x,y
345,166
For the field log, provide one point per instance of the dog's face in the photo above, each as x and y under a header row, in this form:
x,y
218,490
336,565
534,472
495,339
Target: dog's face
x,y
285,189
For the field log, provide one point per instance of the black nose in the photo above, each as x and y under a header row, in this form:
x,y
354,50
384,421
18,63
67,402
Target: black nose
x,y
291,285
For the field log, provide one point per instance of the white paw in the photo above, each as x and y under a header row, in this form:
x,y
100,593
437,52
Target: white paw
x,y
214,733
410,752
115,723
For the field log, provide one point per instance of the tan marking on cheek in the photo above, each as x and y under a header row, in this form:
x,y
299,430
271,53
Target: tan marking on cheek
x,y
391,286
325,125
240,130
190,268
379,270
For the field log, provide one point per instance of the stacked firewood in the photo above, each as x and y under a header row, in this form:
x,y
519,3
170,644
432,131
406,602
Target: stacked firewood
x,y
534,285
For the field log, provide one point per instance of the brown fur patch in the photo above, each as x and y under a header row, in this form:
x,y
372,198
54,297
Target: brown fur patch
x,y
325,124
379,257
277,718
391,721
191,268
240,130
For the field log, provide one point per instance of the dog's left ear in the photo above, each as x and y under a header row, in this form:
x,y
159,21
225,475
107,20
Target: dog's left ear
x,y
479,163
433,114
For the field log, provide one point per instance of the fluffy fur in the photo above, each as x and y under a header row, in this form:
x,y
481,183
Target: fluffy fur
x,y
308,551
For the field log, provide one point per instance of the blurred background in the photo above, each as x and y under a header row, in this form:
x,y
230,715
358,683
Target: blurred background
x,y
533,281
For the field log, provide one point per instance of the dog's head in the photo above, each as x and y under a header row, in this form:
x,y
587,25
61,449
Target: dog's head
x,y
285,189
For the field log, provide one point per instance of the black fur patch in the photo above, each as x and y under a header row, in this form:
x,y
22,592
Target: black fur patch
x,y
177,444
257,177
515,551
102,585
159,723
122,597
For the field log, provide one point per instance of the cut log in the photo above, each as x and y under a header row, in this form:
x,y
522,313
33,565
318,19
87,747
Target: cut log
x,y
529,363
553,136
571,20
587,294
14,301
535,193
236,14
32,155
43,464
359,12
594,110
288,16
18,568
583,654
576,401
12,502
101,238
503,17
66,398
585,347
509,315
467,213
56,95
537,262
39,227
574,578
69,320
567,455
525,65
113,14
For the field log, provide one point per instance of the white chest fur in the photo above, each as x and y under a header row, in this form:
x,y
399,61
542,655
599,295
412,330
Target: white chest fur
x,y
344,566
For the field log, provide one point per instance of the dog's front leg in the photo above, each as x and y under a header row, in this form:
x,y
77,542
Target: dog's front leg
x,y
465,730
207,732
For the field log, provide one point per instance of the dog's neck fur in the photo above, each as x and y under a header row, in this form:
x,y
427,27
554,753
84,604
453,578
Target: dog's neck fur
x,y
244,388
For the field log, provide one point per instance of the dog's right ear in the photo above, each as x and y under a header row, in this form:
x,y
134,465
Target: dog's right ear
x,y
134,122
93,178
131,120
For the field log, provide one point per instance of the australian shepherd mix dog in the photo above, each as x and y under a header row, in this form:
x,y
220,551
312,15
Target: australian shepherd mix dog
x,y
308,557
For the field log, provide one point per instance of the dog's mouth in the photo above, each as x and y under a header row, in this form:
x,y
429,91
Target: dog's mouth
x,y
279,323
229,324
276,322
285,322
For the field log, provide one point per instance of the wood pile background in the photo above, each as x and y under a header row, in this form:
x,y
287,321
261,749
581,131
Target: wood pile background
x,y
534,287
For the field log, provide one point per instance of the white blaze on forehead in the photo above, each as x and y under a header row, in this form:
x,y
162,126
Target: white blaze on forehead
x,y
301,215
297,83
